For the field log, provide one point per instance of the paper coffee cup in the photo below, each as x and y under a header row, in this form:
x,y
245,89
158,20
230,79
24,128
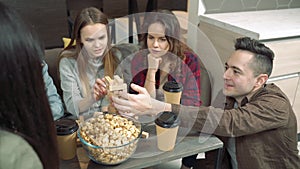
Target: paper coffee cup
x,y
172,92
66,138
167,125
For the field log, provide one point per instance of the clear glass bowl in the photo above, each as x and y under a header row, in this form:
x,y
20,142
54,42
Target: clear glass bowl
x,y
110,155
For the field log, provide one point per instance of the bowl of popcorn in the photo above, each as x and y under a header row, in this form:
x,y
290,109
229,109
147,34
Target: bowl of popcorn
x,y
109,139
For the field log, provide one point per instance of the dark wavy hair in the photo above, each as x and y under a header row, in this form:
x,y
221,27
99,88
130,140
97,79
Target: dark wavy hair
x,y
262,62
172,30
24,106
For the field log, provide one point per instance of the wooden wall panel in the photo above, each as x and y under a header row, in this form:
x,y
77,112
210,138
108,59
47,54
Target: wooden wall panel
x,y
289,87
223,40
119,8
75,6
47,18
287,56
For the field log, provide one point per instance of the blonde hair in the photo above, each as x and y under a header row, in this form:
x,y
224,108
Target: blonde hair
x,y
86,17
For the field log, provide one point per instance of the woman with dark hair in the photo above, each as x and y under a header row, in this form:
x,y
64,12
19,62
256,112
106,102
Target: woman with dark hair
x,y
166,58
27,137
81,66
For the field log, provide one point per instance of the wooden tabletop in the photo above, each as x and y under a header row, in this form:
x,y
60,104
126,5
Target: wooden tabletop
x,y
189,145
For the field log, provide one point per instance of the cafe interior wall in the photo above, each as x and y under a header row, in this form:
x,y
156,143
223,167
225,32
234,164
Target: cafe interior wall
x,y
47,18
222,6
119,8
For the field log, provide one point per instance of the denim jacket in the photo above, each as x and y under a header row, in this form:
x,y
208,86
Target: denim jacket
x,y
53,97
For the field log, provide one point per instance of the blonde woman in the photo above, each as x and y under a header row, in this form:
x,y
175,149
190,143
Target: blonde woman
x,y
82,66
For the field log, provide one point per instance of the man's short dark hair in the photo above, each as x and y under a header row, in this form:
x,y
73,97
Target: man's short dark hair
x,y
262,62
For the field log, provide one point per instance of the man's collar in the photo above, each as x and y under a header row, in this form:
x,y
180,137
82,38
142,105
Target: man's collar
x,y
246,99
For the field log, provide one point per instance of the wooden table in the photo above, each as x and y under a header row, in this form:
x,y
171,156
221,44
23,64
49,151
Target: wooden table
x,y
189,145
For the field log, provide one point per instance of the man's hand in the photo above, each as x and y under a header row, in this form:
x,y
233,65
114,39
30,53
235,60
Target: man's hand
x,y
140,104
132,103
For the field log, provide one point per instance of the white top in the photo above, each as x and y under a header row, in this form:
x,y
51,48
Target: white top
x,y
263,25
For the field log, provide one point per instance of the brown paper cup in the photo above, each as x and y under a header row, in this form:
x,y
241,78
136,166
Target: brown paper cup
x,y
167,125
166,138
66,138
172,92
67,146
172,97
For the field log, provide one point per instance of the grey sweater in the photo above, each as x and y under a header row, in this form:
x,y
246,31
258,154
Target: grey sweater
x,y
73,89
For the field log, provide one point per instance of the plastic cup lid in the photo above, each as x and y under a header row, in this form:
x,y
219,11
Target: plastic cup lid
x,y
172,86
65,126
167,119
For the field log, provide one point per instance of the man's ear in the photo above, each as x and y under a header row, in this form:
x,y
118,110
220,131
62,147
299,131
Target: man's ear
x,y
261,79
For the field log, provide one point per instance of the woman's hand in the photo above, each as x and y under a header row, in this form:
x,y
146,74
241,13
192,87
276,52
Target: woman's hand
x,y
153,62
99,89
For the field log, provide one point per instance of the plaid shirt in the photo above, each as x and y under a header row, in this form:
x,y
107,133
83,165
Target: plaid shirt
x,y
189,77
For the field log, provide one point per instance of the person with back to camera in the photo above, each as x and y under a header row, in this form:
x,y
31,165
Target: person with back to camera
x,y
82,67
27,133
55,102
257,125
164,57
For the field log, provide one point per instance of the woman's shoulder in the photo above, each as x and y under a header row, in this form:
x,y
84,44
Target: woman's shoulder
x,y
191,57
67,53
67,61
67,66
16,152
190,54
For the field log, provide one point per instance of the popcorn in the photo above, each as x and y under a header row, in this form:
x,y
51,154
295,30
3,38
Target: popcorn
x,y
110,132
